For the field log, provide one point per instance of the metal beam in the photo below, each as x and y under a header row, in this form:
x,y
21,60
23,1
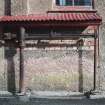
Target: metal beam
x,y
55,37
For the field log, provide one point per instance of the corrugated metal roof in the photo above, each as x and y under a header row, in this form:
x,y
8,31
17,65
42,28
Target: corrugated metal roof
x,y
73,16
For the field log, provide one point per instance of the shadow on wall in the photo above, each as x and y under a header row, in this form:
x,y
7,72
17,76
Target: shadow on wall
x,y
80,65
10,52
80,72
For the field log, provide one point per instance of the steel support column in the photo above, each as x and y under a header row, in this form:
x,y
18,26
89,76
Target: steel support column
x,y
21,81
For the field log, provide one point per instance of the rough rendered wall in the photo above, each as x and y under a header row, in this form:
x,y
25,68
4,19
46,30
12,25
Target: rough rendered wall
x,y
36,6
2,7
19,7
3,72
22,7
100,6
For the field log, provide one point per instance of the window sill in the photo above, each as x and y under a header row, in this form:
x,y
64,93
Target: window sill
x,y
72,8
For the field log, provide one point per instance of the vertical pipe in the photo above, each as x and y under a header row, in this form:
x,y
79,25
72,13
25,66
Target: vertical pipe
x,y
99,74
95,61
98,48
93,5
21,81
8,7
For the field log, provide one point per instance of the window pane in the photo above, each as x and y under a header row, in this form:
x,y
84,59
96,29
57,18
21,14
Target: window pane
x,y
61,2
88,2
76,2
57,2
82,2
64,2
69,2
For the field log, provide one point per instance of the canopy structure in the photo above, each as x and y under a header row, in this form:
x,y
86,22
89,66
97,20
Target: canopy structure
x,y
71,17
51,18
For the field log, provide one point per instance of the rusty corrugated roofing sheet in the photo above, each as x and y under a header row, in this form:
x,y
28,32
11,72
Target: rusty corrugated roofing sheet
x,y
73,16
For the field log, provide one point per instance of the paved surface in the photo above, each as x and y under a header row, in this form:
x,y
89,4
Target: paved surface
x,y
63,99
15,101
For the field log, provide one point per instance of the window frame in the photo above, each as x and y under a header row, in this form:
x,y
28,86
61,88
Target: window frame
x,y
73,4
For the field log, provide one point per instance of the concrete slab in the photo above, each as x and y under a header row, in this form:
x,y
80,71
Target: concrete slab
x,y
100,96
5,93
56,93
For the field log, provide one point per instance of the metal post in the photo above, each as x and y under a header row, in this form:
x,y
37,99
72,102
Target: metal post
x,y
21,81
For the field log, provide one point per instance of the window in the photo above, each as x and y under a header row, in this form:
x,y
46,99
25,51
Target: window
x,y
74,2
82,2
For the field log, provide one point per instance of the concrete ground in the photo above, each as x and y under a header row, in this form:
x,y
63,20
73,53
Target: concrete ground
x,y
49,99
53,102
